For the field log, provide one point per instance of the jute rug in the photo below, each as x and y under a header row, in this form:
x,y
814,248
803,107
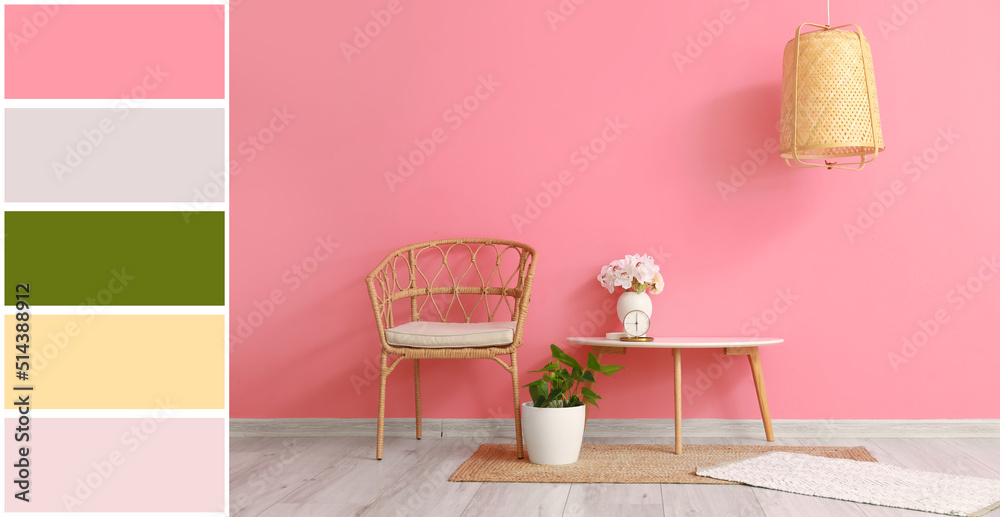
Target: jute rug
x,y
859,482
600,463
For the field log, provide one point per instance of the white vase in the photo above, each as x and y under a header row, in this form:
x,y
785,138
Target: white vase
x,y
553,436
632,301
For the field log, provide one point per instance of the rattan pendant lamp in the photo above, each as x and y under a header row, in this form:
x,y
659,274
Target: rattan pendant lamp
x,y
829,107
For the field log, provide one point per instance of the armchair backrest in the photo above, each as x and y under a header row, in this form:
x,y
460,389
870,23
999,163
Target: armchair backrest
x,y
457,279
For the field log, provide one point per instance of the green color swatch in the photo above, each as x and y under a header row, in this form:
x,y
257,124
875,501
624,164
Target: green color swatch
x,y
116,258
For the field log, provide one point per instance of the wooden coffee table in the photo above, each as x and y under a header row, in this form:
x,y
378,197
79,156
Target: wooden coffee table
x,y
731,346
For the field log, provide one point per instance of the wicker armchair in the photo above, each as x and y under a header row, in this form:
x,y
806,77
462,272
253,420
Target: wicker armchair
x,y
483,280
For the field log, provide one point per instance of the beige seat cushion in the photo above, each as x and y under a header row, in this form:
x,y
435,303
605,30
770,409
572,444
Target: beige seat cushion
x,y
431,334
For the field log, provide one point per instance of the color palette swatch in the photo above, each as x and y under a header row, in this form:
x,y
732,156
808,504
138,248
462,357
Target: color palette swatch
x,y
117,154
114,51
115,259
118,258
123,465
144,352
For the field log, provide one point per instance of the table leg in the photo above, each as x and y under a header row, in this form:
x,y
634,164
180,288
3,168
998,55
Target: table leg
x,y
753,354
677,401
758,383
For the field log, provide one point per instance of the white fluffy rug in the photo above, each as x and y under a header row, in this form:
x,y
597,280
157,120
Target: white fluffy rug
x,y
863,482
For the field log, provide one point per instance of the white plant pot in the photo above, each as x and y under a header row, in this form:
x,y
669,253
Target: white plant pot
x,y
632,301
553,436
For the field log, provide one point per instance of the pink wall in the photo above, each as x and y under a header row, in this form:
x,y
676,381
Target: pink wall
x,y
314,133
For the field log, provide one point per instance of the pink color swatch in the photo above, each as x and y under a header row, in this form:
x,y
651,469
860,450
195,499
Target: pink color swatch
x,y
114,52
119,464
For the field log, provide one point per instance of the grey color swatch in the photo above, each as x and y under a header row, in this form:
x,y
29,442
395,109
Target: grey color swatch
x,y
116,154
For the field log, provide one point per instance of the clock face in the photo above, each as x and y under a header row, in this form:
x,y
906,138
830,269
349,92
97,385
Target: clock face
x,y
636,323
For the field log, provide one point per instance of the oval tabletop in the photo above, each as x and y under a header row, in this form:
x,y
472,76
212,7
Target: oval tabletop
x,y
678,342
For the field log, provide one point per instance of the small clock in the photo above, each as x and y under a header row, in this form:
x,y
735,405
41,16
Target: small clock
x,y
636,325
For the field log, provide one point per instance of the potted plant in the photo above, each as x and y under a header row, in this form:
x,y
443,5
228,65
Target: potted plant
x,y
552,423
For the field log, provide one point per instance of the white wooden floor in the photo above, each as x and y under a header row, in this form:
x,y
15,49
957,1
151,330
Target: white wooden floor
x,y
339,476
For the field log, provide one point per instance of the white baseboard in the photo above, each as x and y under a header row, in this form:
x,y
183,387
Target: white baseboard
x,y
637,428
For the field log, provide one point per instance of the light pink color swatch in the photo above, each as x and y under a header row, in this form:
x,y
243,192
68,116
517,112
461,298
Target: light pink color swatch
x,y
119,464
675,104
114,52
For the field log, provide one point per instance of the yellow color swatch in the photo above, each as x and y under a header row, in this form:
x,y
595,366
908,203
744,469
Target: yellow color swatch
x,y
92,361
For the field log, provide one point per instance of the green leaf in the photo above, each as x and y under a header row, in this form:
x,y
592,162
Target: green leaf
x,y
535,395
554,393
606,369
551,367
609,369
564,358
589,376
566,386
538,392
592,362
589,393
533,387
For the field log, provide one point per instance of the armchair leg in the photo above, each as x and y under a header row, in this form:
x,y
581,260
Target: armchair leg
x,y
383,373
416,390
517,405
